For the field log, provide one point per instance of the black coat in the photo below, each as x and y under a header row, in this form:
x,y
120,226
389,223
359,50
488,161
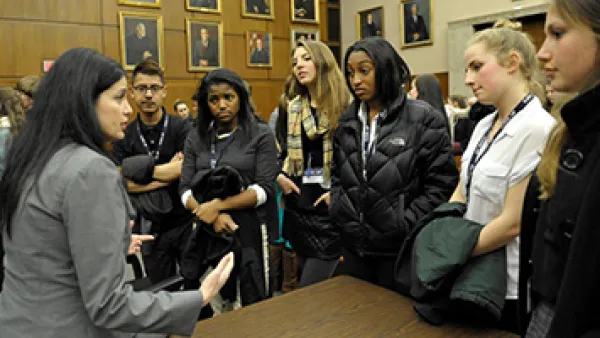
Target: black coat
x,y
410,172
566,253
206,247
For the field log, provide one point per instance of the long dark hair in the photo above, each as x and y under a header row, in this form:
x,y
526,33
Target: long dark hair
x,y
205,118
64,111
391,71
430,91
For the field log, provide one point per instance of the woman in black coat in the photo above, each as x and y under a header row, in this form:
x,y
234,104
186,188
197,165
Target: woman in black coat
x,y
566,282
229,135
392,162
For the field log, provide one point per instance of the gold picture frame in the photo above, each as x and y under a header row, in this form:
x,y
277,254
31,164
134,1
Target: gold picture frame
x,y
369,22
258,9
204,6
298,33
259,49
416,25
140,3
204,41
141,36
305,11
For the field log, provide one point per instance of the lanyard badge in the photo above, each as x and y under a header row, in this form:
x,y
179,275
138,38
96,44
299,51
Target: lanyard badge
x,y
312,175
478,153
155,154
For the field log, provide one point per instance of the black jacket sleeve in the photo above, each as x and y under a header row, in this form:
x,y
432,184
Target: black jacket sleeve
x,y
188,170
267,167
437,167
577,307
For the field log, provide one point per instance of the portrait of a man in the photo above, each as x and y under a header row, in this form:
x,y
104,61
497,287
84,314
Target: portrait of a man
x,y
303,34
204,45
417,22
370,22
259,49
141,38
305,11
260,9
203,5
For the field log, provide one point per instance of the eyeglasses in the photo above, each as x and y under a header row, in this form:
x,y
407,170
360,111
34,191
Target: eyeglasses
x,y
143,89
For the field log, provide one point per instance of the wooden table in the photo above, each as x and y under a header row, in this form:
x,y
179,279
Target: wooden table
x,y
340,307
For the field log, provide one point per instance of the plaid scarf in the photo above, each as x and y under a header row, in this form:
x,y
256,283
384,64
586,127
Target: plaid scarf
x,y
299,115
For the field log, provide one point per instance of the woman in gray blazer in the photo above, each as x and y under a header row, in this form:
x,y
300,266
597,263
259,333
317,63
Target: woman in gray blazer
x,y
64,214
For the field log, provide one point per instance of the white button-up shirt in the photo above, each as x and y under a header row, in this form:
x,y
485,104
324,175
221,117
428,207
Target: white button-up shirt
x,y
514,154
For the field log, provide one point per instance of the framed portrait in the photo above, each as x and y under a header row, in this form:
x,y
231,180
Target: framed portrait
x,y
140,3
305,11
369,22
258,9
204,44
205,6
141,37
304,34
258,50
416,27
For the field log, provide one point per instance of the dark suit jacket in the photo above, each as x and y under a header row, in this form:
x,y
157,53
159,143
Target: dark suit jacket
x,y
369,29
259,56
135,48
210,53
261,5
413,27
308,6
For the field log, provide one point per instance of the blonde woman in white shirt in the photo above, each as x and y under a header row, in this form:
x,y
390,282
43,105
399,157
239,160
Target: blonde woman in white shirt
x,y
505,146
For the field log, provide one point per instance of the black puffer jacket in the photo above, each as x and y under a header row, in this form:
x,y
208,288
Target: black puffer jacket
x,y
410,172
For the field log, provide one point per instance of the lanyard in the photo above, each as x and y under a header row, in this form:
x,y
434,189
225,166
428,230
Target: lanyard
x,y
368,146
476,157
214,158
156,153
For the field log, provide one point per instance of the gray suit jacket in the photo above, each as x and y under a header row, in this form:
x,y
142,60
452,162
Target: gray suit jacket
x,y
65,261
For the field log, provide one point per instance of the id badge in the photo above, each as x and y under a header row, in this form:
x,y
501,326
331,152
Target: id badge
x,y
313,176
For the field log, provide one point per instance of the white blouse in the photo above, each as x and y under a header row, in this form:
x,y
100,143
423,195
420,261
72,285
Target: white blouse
x,y
513,155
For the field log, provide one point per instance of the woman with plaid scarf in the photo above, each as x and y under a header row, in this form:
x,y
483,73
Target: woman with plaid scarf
x,y
305,180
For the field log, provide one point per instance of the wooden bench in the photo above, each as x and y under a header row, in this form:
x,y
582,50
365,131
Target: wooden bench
x,y
340,307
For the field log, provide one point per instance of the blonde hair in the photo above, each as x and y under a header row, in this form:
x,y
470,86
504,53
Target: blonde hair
x,y
333,95
574,13
502,41
548,168
10,106
506,23
28,85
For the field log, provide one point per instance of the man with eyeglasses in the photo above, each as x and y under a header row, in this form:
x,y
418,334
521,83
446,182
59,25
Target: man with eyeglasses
x,y
161,138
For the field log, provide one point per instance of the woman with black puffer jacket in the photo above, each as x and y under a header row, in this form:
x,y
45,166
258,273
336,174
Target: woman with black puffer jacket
x,y
392,162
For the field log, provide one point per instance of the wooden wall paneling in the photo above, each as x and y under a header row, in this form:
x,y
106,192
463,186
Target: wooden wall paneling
x,y
111,47
323,20
52,27
282,59
74,11
174,16
176,55
280,27
8,81
8,56
265,95
110,12
44,41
